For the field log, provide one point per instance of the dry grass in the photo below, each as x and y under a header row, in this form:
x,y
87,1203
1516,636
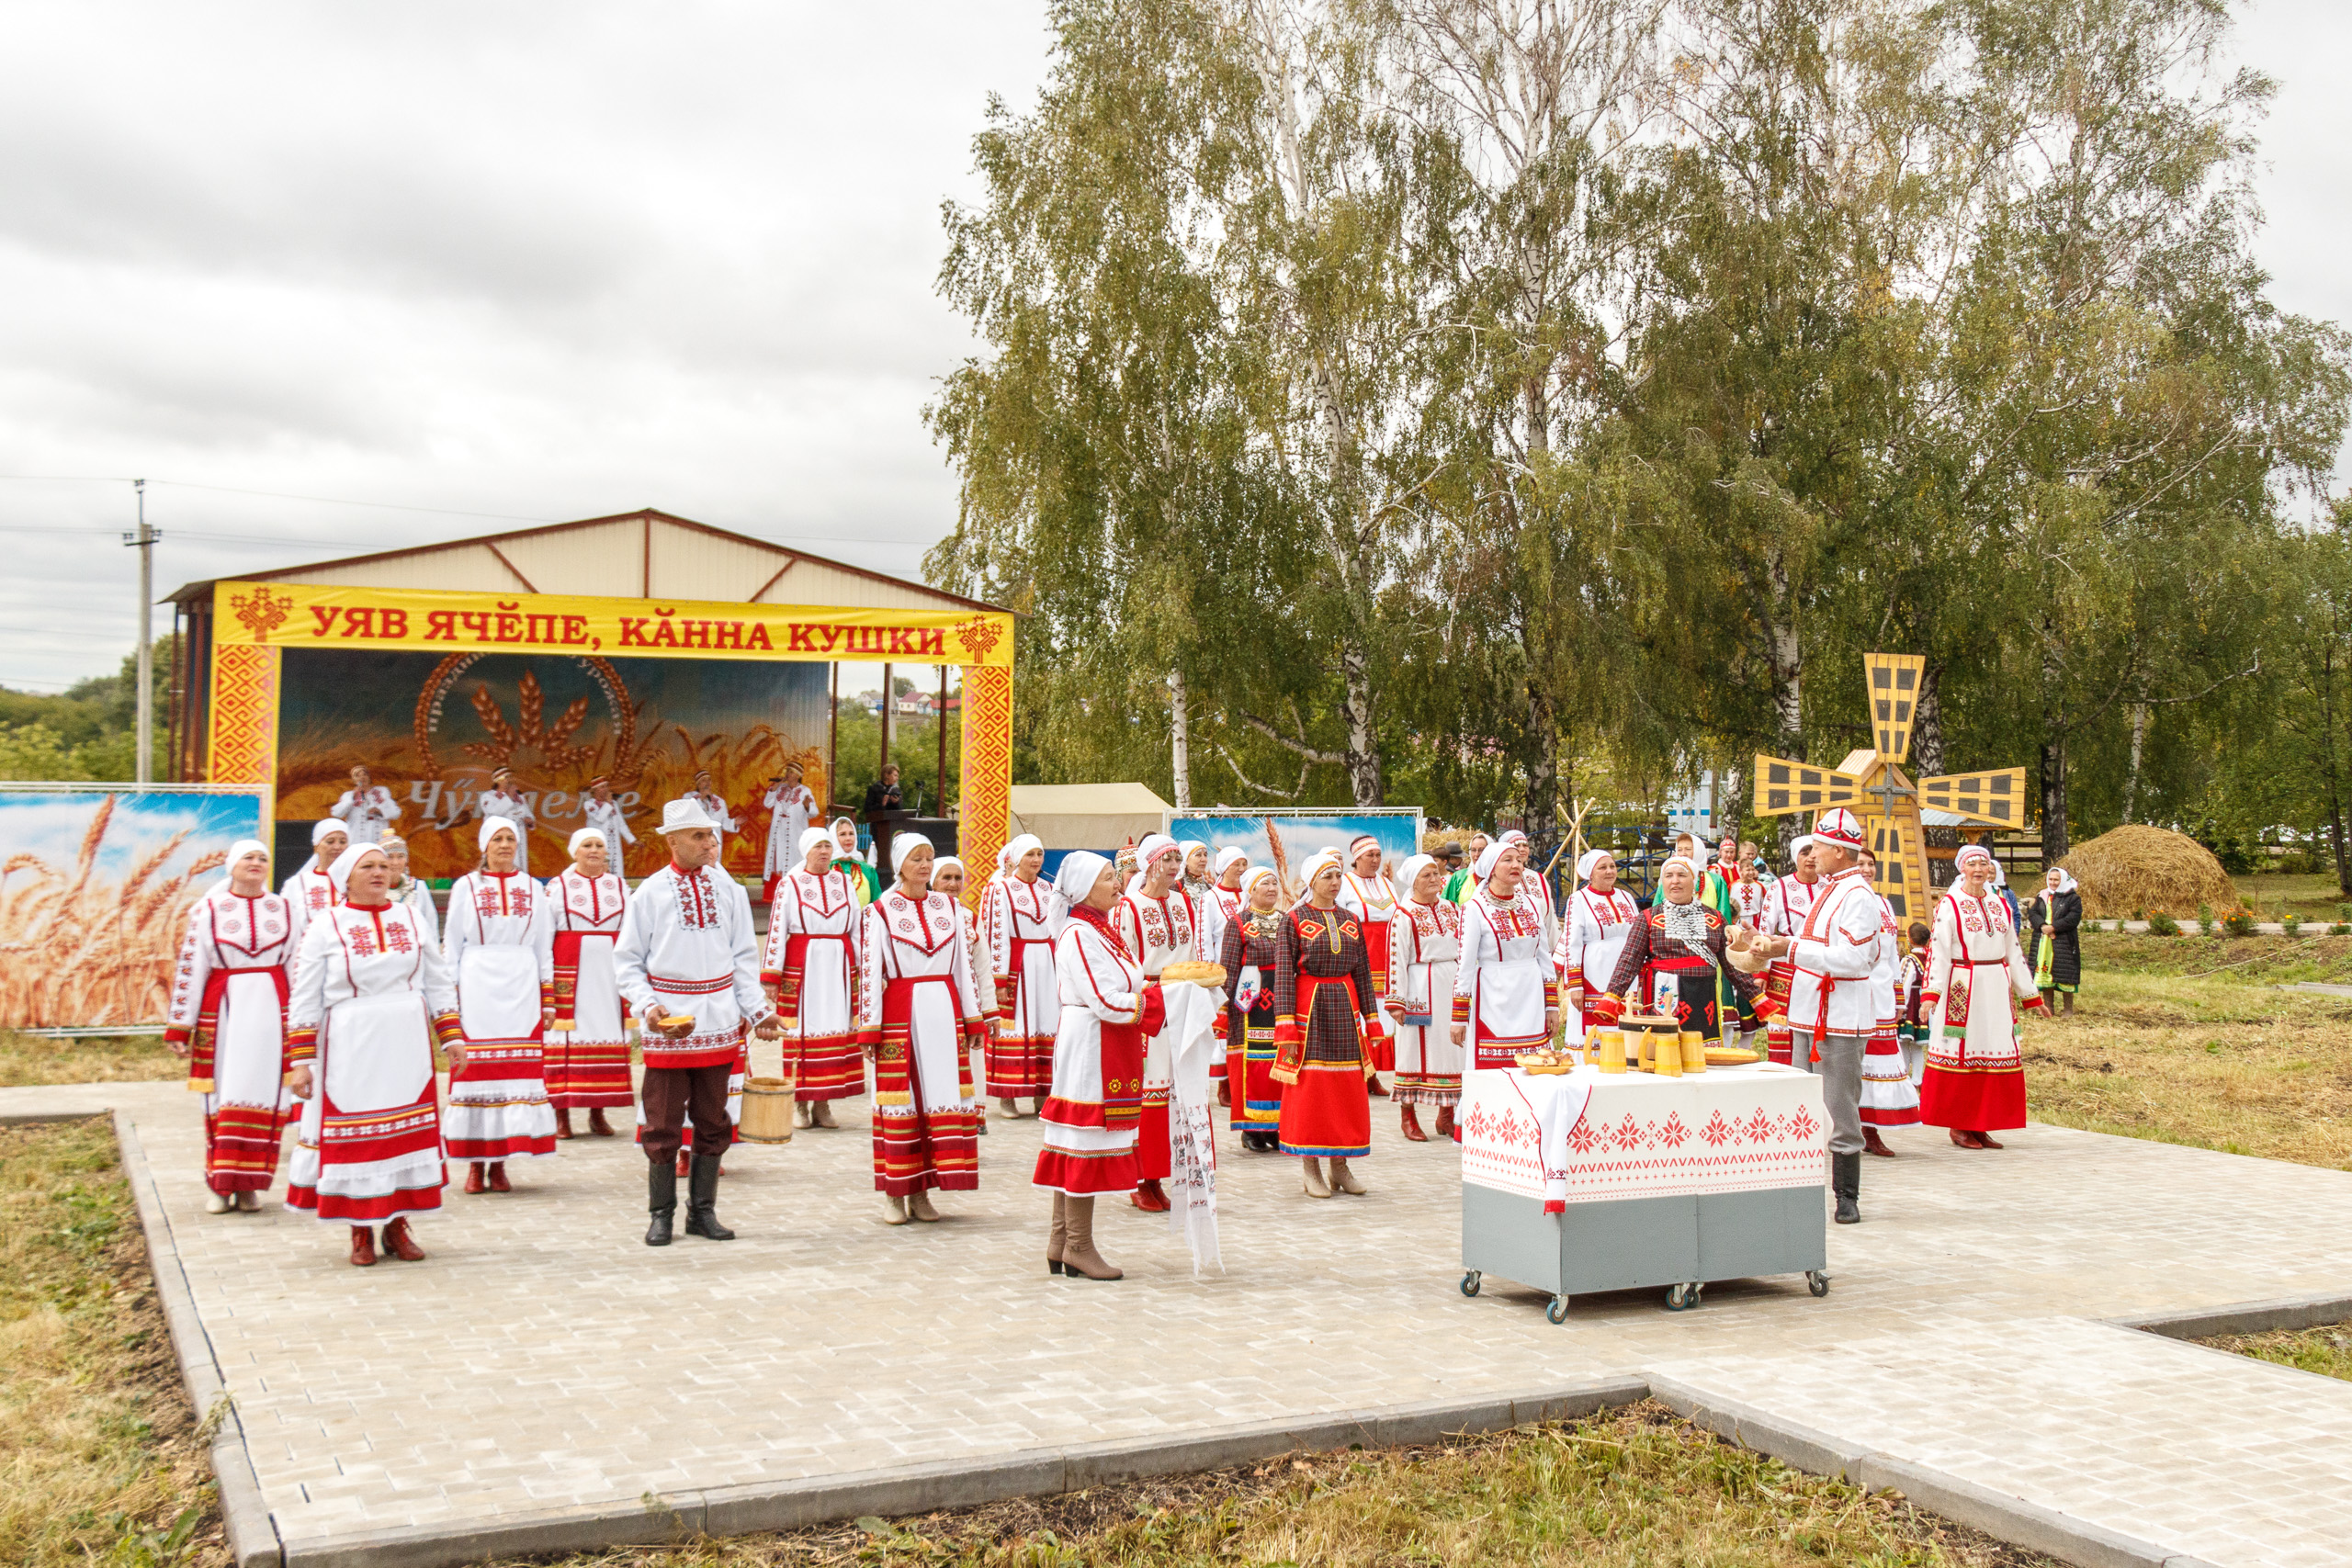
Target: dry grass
x,y
106,1058
2216,1061
2133,868
99,1462
1637,1486
2275,896
2326,1350
107,947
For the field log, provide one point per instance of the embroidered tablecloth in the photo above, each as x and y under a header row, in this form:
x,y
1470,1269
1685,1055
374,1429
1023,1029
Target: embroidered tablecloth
x,y
1590,1136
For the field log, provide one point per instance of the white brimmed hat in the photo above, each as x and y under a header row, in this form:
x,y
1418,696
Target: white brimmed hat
x,y
684,815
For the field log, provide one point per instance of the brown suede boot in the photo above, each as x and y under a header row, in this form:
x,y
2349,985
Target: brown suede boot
x,y
1985,1141
563,1122
1966,1140
596,1122
1313,1170
1080,1261
1344,1180
820,1114
1058,1235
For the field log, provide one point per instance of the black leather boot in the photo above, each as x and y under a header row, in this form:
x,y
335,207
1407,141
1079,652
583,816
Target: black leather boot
x,y
662,1200
1846,1181
701,1193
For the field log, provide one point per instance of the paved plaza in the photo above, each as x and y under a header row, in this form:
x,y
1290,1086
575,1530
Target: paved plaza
x,y
544,1362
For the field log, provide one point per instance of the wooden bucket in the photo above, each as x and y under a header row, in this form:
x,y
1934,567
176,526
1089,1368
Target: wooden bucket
x,y
767,1111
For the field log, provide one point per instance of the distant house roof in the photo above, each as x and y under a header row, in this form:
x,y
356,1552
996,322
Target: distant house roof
x,y
635,554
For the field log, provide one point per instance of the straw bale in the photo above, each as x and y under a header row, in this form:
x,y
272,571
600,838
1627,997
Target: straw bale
x,y
2151,869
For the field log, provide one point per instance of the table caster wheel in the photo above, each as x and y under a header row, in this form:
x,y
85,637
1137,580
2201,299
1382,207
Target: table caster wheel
x,y
1558,1311
1817,1281
1676,1298
1698,1294
1470,1282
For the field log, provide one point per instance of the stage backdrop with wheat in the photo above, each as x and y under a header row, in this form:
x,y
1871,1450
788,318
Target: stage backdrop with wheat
x,y
94,890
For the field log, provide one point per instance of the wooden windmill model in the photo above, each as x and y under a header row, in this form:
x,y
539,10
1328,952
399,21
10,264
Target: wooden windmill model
x,y
1873,786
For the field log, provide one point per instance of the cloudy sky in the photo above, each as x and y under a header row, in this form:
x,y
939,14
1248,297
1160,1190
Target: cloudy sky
x,y
537,263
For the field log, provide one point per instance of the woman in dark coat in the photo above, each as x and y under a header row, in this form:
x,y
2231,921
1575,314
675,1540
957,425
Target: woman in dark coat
x,y
2056,915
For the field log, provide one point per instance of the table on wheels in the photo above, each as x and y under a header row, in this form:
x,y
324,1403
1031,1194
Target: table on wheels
x,y
1598,1181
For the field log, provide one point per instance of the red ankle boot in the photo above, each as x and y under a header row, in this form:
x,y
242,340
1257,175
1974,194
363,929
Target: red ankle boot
x,y
1413,1126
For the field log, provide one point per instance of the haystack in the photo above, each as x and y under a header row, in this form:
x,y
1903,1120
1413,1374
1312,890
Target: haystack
x,y
2134,868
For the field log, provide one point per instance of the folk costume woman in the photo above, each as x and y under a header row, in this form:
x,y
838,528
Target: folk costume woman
x,y
864,884
947,878
1323,1006
1787,903
1424,950
311,890
1231,866
1253,942
1602,914
1020,923
816,942
1160,925
410,890
2056,914
1976,976
1889,1098
1506,991
1673,959
501,948
920,1007
1089,1118
1366,893
369,996
587,1044
228,1018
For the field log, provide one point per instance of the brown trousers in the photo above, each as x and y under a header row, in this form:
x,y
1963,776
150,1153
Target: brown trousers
x,y
670,1095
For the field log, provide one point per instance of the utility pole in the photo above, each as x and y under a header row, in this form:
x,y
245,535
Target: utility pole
x,y
144,542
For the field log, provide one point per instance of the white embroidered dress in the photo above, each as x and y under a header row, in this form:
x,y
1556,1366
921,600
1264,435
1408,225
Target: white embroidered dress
x,y
1424,950
229,1005
500,945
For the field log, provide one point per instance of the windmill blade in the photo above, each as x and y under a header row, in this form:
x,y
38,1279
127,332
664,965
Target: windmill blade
x,y
1892,680
1995,798
1902,867
1782,787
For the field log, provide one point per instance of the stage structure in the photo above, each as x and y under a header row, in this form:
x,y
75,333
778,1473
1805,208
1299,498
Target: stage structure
x,y
1872,785
432,667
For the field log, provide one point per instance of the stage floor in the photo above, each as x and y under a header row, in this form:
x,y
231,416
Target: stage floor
x,y
544,1361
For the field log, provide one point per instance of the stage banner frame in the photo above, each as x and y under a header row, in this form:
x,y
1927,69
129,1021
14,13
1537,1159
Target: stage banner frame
x,y
253,622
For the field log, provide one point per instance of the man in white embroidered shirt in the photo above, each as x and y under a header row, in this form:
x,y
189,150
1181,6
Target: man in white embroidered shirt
x,y
1833,1007
689,963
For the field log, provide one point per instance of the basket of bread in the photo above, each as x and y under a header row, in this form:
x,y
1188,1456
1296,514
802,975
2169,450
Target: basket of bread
x,y
1546,1061
1189,971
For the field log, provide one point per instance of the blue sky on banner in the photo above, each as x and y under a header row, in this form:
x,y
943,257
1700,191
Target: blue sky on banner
x,y
534,265
51,826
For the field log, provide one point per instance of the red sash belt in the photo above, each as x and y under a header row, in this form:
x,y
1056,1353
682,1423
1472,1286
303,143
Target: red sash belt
x,y
567,974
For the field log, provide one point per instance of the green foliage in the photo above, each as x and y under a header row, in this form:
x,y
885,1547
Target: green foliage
x,y
89,731
1509,447
2237,922
2162,924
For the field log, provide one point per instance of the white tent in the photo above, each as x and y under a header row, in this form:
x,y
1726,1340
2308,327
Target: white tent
x,y
1087,815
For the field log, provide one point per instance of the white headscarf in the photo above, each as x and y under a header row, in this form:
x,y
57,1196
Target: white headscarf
x,y
325,825
1186,846
1222,861
943,861
1586,860
1075,877
339,873
238,851
1682,860
834,828
811,837
1487,857
1254,875
902,845
1409,869
2066,882
1313,868
1020,844
490,825
572,846
1969,853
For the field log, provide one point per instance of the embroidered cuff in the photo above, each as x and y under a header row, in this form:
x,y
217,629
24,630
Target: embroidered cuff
x,y
547,993
177,1035
1286,1032
1461,1009
301,1044
446,1029
772,978
868,1038
1927,1001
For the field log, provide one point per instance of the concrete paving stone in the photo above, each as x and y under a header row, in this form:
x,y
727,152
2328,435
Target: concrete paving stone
x,y
544,1361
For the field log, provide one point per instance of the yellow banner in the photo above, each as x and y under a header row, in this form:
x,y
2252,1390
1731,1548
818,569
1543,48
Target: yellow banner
x,y
295,614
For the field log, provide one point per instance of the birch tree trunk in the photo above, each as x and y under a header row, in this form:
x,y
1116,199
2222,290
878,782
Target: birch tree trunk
x,y
1180,739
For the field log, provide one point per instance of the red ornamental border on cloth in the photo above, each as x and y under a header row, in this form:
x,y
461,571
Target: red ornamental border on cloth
x,y
1720,1132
